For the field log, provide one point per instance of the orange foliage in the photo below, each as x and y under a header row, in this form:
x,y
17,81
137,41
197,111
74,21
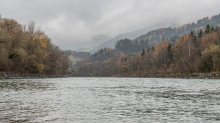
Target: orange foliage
x,y
96,62
87,63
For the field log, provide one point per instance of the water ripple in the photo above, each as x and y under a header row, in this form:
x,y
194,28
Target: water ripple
x,y
110,100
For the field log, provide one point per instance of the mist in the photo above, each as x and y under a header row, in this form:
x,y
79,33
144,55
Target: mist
x,y
88,23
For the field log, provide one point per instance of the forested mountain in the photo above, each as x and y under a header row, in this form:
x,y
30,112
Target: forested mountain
x,y
26,49
130,47
191,48
190,54
171,34
154,37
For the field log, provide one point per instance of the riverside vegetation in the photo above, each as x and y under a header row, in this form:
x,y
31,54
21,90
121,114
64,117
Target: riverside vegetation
x,y
27,50
191,55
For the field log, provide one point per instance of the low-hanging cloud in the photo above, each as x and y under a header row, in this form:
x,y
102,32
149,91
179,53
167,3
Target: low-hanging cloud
x,y
87,23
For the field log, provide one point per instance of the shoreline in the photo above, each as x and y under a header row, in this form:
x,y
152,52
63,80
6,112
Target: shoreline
x,y
11,75
177,76
180,76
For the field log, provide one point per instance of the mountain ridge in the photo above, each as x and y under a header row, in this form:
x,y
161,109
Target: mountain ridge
x,y
157,35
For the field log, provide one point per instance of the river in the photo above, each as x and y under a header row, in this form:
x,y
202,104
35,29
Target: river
x,y
110,100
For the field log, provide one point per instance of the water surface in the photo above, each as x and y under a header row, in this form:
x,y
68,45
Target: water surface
x,y
108,100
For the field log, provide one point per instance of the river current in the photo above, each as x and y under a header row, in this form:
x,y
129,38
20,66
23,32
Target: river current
x,y
110,100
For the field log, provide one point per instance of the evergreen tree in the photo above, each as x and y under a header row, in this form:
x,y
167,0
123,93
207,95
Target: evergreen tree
x,y
193,37
212,29
170,53
143,52
152,48
207,29
191,33
200,34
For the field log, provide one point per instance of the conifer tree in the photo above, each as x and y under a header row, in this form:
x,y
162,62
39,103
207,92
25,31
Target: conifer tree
x,y
200,34
212,29
143,52
207,29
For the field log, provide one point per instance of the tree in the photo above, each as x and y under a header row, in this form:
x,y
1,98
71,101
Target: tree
x,y
207,29
212,51
200,34
143,52
152,48
212,29
169,53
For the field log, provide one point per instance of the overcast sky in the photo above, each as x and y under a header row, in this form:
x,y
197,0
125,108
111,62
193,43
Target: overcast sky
x,y
83,23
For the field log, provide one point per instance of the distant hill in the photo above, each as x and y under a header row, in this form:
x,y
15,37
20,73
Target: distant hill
x,y
159,35
130,35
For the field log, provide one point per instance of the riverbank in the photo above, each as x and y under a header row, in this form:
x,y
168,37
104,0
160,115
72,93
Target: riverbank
x,y
10,75
183,76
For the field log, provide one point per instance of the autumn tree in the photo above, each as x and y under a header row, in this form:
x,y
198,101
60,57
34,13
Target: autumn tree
x,y
24,49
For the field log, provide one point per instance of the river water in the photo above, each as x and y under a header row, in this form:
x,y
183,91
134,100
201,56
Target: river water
x,y
110,100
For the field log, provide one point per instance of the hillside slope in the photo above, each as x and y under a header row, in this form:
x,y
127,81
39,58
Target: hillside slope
x,y
155,36
159,35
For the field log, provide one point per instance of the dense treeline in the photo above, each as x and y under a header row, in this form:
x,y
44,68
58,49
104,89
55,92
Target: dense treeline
x,y
190,54
26,49
129,46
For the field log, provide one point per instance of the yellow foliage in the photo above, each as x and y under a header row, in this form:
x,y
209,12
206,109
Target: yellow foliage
x,y
165,44
123,56
40,53
158,47
40,67
21,54
43,42
211,50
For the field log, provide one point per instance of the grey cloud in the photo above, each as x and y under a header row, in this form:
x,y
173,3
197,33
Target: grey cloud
x,y
85,23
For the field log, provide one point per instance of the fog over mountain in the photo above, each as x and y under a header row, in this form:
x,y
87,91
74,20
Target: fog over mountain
x,y
89,23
